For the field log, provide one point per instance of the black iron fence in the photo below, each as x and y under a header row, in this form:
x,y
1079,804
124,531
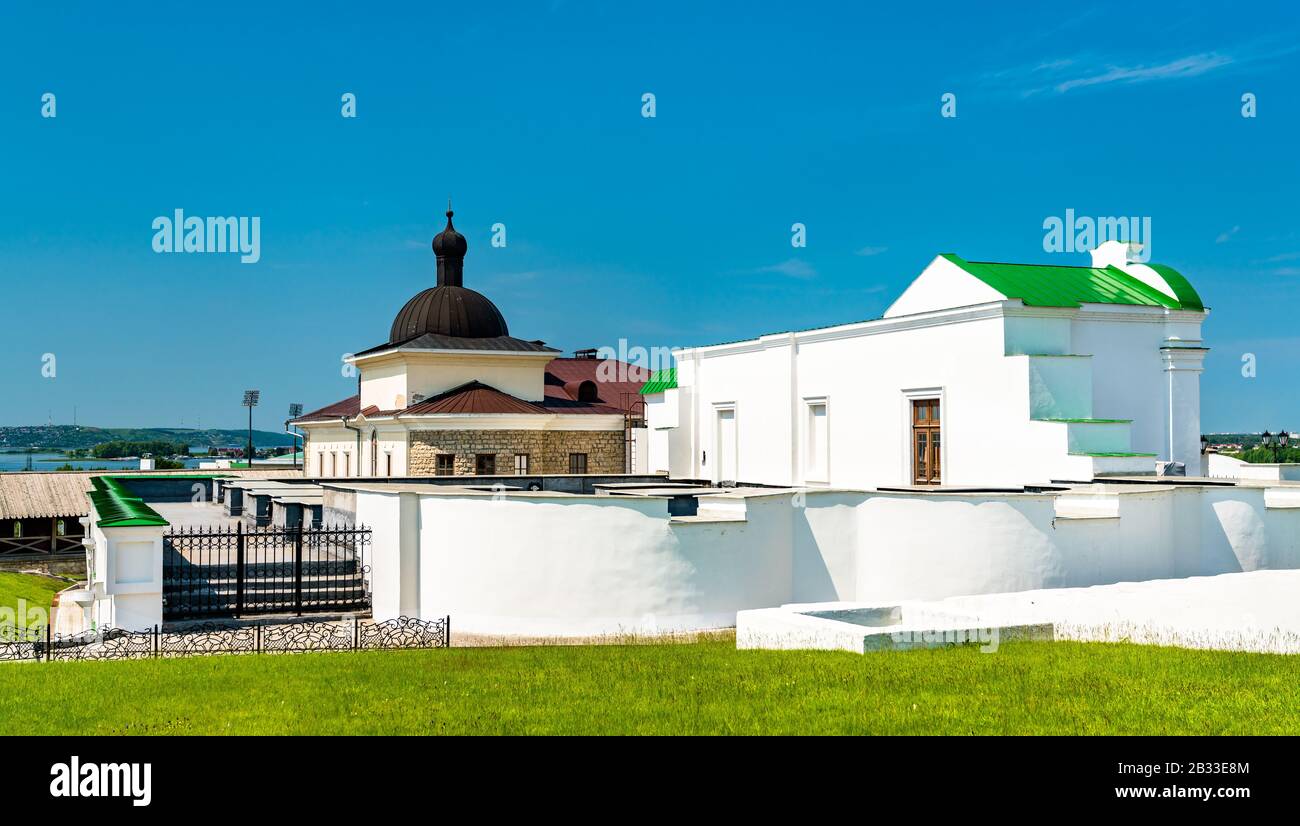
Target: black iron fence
x,y
41,645
217,572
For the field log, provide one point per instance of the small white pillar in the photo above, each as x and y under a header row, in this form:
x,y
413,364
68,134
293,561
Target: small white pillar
x,y
1183,366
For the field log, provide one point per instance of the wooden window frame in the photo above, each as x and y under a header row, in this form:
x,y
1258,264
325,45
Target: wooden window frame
x,y
581,460
925,425
450,461
479,461
521,471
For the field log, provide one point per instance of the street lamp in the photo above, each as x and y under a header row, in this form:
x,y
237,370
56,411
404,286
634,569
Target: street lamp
x,y
295,410
1277,443
251,398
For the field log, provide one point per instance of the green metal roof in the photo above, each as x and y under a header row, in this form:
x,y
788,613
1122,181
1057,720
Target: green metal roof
x,y
660,380
119,508
1182,288
1046,285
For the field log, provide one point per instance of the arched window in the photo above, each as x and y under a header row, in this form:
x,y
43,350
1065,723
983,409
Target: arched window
x,y
587,392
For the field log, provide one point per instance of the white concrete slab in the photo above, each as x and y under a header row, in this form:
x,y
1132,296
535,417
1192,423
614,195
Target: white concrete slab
x,y
1255,611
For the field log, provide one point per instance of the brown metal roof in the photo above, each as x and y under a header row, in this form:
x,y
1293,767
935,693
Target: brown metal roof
x,y
449,310
554,405
349,407
436,341
474,397
617,383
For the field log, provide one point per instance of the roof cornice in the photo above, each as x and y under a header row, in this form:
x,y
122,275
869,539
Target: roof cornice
x,y
548,355
938,318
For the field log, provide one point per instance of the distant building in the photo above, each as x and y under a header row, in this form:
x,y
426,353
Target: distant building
x,y
452,393
40,517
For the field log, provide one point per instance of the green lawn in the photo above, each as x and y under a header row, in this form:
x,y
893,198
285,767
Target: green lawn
x,y
705,688
36,589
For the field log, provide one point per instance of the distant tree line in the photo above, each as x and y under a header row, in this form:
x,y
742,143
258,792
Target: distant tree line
x,y
120,449
1264,455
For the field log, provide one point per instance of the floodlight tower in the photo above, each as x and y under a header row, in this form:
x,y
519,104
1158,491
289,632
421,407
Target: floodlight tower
x,y
295,410
251,398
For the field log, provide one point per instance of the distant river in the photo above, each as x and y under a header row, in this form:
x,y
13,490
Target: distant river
x,y
50,461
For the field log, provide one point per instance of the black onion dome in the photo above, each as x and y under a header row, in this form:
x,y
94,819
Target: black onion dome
x,y
449,242
449,309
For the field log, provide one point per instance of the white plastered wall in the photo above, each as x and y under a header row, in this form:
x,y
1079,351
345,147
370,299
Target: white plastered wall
x,y
539,564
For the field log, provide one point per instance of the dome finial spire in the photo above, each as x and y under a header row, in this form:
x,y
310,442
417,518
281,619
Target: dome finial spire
x,y
450,248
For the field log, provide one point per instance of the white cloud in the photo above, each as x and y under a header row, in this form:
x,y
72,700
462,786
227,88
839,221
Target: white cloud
x,y
867,251
1225,237
1190,66
1087,70
792,267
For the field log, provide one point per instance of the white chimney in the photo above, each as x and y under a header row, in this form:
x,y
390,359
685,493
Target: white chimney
x,y
1121,255
1115,254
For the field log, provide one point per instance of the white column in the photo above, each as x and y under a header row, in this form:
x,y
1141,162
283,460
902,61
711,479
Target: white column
x,y
1183,366
409,555
128,569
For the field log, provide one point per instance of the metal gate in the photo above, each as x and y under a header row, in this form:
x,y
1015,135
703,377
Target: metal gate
x,y
224,572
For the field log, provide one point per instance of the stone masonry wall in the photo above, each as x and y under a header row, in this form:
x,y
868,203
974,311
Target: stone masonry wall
x,y
548,450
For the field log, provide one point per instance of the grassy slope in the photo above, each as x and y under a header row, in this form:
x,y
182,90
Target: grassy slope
x,y
701,688
36,589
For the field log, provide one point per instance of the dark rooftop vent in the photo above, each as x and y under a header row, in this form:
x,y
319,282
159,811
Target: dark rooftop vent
x,y
589,353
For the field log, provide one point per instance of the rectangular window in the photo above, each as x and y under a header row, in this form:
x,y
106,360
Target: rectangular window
x,y
577,463
485,464
388,464
815,444
347,464
925,441
446,464
334,463
521,464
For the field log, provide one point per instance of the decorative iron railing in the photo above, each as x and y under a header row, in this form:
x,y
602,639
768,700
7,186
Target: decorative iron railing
x,y
216,572
41,645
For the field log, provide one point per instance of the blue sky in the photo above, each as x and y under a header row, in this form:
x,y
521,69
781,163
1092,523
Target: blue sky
x,y
669,231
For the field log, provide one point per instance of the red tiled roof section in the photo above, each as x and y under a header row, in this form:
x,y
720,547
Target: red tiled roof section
x,y
350,406
617,383
474,397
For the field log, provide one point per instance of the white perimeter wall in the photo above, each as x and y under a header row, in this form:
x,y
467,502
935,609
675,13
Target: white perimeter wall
x,y
540,564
